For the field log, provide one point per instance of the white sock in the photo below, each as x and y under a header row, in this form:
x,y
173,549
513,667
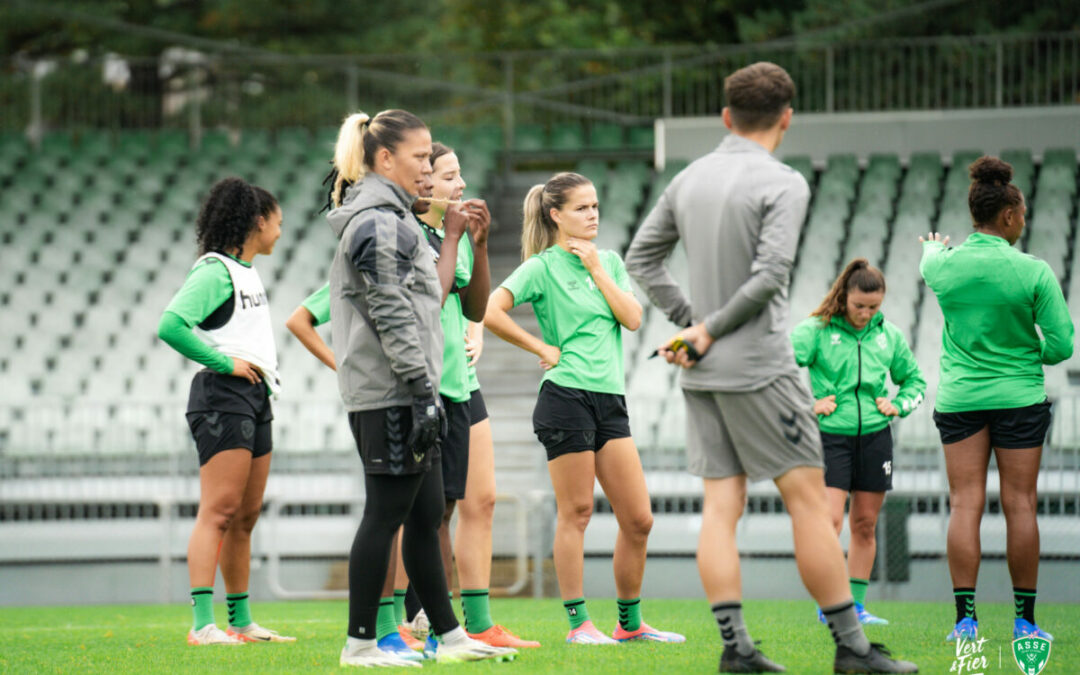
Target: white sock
x,y
356,645
454,637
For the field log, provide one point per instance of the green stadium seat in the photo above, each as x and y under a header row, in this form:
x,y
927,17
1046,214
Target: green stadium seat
x,y
605,136
94,143
449,135
293,141
803,165
255,142
846,165
217,142
1065,157
567,137
641,138
134,143
57,144
487,137
528,137
172,143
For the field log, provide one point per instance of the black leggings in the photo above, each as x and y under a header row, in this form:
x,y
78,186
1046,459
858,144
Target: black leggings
x,y
417,501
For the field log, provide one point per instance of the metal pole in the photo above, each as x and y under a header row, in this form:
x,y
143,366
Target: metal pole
x,y
667,84
352,88
830,80
999,76
36,128
508,112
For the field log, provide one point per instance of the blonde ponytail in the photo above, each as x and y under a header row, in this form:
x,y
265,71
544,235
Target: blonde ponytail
x,y
538,231
536,235
349,153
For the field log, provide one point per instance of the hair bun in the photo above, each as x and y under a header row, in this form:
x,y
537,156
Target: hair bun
x,y
991,170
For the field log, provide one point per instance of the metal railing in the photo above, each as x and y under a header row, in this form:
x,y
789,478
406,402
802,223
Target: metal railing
x,y
195,91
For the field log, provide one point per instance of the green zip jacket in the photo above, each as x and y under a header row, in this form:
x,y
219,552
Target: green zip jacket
x,y
852,366
992,297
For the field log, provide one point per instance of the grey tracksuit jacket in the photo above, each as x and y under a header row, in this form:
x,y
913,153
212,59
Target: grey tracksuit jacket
x,y
738,211
384,297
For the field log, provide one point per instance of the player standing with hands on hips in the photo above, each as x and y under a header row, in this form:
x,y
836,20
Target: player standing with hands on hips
x,y
220,318
991,395
582,299
739,211
850,347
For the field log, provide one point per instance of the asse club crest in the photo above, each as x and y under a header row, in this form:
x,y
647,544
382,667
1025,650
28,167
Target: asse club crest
x,y
1031,654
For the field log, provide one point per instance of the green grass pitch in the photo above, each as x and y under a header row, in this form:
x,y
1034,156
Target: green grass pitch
x,y
150,638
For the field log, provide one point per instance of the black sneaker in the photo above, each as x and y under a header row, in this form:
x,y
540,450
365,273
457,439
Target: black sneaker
x,y
877,660
731,661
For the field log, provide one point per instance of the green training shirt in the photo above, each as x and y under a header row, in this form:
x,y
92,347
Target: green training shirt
x,y
575,317
852,365
207,287
318,303
993,296
454,384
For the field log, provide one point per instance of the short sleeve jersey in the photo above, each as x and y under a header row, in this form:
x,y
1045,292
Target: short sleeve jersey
x,y
575,317
454,384
318,303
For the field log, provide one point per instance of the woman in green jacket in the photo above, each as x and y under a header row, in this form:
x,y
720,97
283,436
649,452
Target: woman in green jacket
x,y
849,348
991,393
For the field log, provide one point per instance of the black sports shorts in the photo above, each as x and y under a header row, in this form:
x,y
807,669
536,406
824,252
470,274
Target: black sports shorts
x,y
382,438
455,449
859,463
568,420
225,412
1010,428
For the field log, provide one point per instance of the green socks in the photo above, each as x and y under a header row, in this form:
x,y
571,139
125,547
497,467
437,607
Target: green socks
x,y
858,590
239,609
476,606
576,612
630,614
385,622
202,606
1024,599
399,605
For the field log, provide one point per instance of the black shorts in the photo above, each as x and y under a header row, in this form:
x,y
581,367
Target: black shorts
x,y
477,408
859,463
382,438
226,412
568,420
455,449
1010,428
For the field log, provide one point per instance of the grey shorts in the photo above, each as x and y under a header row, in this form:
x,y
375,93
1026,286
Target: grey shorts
x,y
762,434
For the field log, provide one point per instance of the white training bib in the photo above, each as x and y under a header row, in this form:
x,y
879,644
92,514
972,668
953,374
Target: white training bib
x,y
249,332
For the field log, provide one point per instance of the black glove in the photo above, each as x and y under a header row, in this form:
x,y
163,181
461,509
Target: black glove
x,y
428,418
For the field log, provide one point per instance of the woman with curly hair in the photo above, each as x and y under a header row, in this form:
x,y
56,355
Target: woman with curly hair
x,y
220,318
996,301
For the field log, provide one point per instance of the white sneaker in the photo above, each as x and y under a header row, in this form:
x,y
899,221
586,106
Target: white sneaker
x,y
472,650
419,626
373,657
253,632
211,635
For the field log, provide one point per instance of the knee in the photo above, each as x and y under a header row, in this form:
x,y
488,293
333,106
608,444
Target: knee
x,y
577,515
967,499
862,528
1022,504
221,514
479,507
448,512
638,525
838,522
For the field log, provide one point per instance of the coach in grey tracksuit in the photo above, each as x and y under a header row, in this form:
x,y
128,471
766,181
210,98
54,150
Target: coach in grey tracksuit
x,y
738,211
384,298
749,417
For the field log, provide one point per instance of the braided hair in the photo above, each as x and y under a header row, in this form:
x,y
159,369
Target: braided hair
x,y
229,213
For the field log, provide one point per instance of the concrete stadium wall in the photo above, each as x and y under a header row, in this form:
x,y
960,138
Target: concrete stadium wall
x,y
903,133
